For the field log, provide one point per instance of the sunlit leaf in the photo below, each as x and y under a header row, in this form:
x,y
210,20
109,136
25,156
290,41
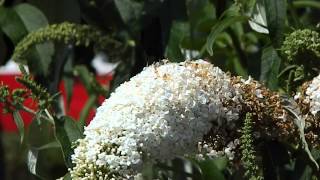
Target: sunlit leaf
x,y
258,20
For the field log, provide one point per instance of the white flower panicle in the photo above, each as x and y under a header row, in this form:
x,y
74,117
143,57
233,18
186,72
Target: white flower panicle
x,y
160,113
313,95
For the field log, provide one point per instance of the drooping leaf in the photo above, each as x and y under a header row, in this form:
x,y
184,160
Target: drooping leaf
x,y
293,109
270,64
219,27
276,17
67,132
20,124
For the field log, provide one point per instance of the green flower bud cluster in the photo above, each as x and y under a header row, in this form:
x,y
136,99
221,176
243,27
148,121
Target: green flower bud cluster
x,y
247,149
37,91
12,100
4,93
301,42
67,33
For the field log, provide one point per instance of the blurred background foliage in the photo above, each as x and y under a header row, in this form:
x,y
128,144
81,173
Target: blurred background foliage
x,y
58,39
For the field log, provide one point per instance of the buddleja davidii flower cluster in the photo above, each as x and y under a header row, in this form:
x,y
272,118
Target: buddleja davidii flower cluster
x,y
186,109
309,101
270,120
161,113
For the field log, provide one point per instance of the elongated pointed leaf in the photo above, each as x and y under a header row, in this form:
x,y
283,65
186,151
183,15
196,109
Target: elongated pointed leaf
x,y
67,132
20,124
276,11
293,109
219,27
270,64
86,110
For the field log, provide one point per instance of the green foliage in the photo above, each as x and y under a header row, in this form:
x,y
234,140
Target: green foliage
x,y
302,43
37,91
302,51
244,37
248,156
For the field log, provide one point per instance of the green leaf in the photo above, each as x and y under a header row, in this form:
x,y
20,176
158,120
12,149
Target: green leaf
x,y
67,132
33,19
68,79
276,11
130,12
53,144
11,24
199,10
270,64
219,27
293,110
20,124
212,169
67,177
173,50
86,110
20,20
258,20
85,77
